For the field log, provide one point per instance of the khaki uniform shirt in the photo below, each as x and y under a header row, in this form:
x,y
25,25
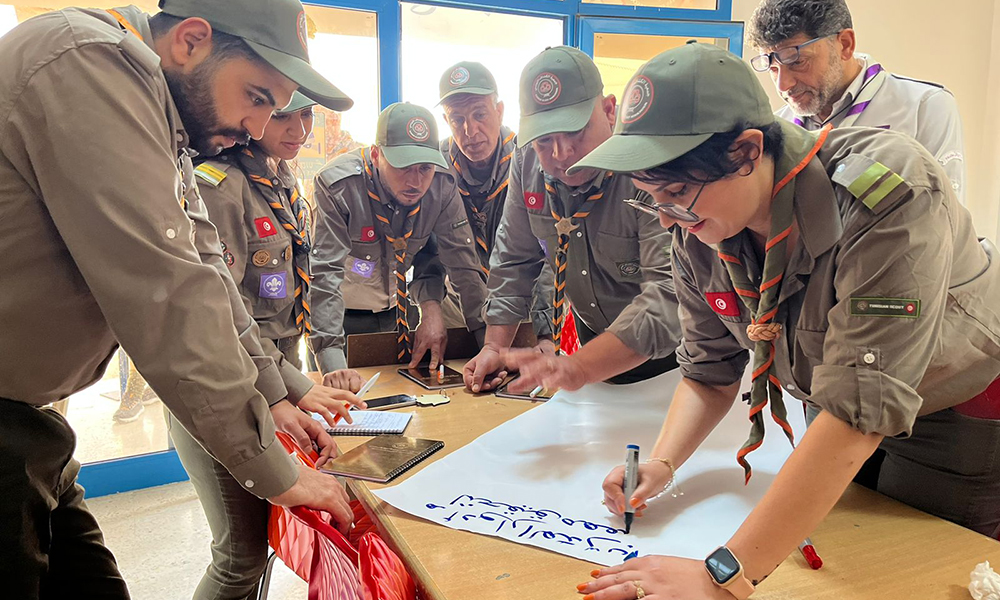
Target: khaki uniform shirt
x,y
618,274
354,267
926,111
257,249
100,250
484,200
913,257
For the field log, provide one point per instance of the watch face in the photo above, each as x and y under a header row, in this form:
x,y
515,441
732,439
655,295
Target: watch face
x,y
722,565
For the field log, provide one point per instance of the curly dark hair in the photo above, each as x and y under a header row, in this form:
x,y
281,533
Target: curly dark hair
x,y
715,158
775,21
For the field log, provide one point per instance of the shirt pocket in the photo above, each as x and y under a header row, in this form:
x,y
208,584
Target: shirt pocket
x,y
269,281
363,268
619,256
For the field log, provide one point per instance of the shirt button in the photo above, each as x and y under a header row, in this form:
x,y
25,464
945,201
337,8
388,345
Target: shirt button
x,y
468,240
583,272
367,256
171,234
274,262
248,483
841,168
315,252
579,234
790,387
592,305
869,358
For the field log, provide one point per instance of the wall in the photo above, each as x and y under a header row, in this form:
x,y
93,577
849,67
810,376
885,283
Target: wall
x,y
956,44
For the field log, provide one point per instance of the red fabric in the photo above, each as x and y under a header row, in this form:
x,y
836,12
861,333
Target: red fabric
x,y
724,303
264,227
533,200
983,406
367,234
309,545
570,342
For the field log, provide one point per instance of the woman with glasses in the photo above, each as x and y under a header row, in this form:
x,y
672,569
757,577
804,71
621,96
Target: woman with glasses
x,y
843,260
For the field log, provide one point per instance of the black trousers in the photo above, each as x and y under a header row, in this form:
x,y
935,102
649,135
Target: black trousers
x,y
50,544
647,370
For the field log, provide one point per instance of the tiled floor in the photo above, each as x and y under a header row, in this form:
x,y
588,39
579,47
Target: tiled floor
x,y
161,540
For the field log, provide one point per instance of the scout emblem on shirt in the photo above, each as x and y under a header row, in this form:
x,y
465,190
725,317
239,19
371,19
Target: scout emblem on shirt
x,y
264,227
724,303
272,285
367,234
363,267
906,308
565,226
261,258
546,88
287,254
629,268
533,200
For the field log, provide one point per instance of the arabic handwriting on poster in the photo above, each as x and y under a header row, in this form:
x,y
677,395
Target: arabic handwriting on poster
x,y
528,523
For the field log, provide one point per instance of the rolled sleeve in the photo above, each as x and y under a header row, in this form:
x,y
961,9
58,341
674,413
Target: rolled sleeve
x,y
708,352
517,258
117,208
873,364
649,325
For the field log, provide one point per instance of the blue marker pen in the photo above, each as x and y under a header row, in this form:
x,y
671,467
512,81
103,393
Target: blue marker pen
x,y
631,481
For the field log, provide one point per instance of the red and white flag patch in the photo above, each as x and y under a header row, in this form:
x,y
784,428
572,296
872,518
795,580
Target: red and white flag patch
x,y
367,234
533,200
264,227
724,303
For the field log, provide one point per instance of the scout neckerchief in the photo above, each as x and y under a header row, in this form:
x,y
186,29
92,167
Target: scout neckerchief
x,y
294,217
398,241
871,83
762,299
565,226
479,214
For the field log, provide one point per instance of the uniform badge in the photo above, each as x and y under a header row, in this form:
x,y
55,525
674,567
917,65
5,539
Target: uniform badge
x,y
463,222
272,285
367,234
222,243
638,99
459,76
363,267
418,129
287,254
229,258
261,258
724,303
629,268
265,227
546,88
904,308
533,200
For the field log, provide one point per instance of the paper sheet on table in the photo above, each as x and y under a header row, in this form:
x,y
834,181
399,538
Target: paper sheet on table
x,y
537,478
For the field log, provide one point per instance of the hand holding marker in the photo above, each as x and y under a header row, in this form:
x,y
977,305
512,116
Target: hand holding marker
x,y
367,386
631,481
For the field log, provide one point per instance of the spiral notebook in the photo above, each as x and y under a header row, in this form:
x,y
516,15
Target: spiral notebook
x,y
369,422
382,459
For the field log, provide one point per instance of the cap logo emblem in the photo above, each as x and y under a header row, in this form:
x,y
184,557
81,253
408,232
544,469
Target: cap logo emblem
x,y
302,27
638,99
418,129
546,88
459,76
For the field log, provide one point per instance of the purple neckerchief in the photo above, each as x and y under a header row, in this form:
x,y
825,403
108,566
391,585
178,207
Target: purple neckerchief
x,y
858,107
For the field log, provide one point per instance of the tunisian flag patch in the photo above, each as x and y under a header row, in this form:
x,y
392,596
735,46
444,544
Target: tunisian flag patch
x,y
265,227
724,303
533,200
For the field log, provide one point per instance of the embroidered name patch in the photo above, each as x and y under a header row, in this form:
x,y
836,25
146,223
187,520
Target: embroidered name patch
x,y
724,303
363,267
533,200
906,308
272,285
264,227
460,223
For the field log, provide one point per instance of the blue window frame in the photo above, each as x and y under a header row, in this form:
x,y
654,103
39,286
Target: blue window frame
x,y
581,20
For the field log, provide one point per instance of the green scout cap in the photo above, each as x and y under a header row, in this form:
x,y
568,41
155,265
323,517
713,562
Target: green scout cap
x,y
467,78
557,93
675,102
407,135
275,30
298,102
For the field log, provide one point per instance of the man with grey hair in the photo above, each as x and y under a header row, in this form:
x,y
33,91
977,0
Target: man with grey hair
x,y
808,46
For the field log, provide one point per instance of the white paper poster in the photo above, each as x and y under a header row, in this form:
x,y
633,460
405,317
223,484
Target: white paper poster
x,y
537,478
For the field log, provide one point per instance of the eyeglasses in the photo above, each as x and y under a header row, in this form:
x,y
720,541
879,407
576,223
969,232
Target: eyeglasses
x,y
785,56
673,211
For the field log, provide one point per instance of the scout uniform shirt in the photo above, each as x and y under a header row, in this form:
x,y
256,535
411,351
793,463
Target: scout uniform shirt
x,y
105,252
890,306
926,111
354,266
484,200
618,274
260,233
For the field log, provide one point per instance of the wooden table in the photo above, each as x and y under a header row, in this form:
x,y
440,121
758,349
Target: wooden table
x,y
873,547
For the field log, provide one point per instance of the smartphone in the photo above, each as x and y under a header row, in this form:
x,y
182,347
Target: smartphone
x,y
391,402
545,394
423,375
